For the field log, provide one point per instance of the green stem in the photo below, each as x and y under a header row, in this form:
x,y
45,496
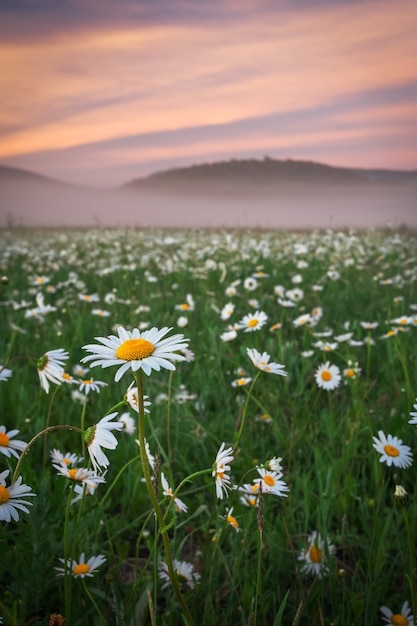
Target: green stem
x,y
245,408
87,591
158,512
169,420
82,422
67,569
48,419
42,432
412,562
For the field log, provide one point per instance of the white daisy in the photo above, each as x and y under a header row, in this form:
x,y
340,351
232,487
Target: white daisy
x,y
129,424
261,361
89,384
253,321
220,468
68,458
137,350
5,373
230,519
327,376
315,556
131,398
413,414
167,491
50,367
81,568
404,618
99,436
11,498
392,450
271,482
8,445
227,311
185,572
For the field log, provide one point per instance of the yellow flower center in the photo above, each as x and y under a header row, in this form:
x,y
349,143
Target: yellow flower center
x,y
4,495
253,322
391,332
135,349
269,480
399,620
391,450
72,473
184,306
4,440
232,521
81,568
87,381
350,373
66,376
316,554
241,381
326,376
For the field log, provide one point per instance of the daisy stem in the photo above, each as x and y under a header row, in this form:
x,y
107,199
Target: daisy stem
x,y
258,591
42,432
158,511
67,568
169,420
412,563
48,419
245,408
182,483
90,596
82,421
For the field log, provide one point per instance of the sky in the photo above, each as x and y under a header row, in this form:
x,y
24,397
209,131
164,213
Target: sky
x,y
98,92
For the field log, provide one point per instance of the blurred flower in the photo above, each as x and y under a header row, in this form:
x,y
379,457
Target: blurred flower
x,y
5,373
227,311
101,312
185,572
405,618
85,297
89,384
241,382
220,468
68,458
131,398
250,283
327,376
136,350
261,361
252,321
99,436
315,556
413,414
167,491
400,495
80,568
129,424
228,335
182,321
392,450
230,519
11,498
50,367
8,445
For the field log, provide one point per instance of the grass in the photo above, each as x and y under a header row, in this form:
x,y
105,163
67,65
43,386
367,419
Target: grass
x,y
337,484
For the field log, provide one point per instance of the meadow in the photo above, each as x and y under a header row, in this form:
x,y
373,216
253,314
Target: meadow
x,y
250,464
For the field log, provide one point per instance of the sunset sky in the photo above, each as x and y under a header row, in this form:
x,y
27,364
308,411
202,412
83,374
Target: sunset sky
x,y
98,92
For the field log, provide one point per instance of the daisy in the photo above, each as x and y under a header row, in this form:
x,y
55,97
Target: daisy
x,y
8,445
50,367
250,283
167,491
184,571
228,335
80,475
85,297
101,312
189,305
327,376
5,373
261,361
271,482
220,467
301,320
392,450
68,458
80,568
99,436
405,618
249,495
315,556
241,382
131,397
129,424
253,321
227,311
89,384
413,414
230,519
11,498
137,350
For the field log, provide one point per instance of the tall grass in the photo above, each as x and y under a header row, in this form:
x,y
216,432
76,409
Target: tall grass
x,y
337,485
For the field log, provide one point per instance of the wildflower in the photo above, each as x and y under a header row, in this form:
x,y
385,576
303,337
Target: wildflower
x,y
50,367
241,382
271,482
99,436
80,475
253,321
189,305
227,311
132,399
301,320
295,295
5,373
400,495
250,283
67,378
184,571
392,450
8,445
261,361
327,376
137,350
274,464
352,372
249,493
128,422
405,618
80,371
89,384
80,568
101,312
315,556
85,297
413,414
68,458
11,498
230,519
182,321
220,468
264,418
368,325
167,491
228,335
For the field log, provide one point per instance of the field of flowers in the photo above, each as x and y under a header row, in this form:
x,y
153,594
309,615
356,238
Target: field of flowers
x,y
213,428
